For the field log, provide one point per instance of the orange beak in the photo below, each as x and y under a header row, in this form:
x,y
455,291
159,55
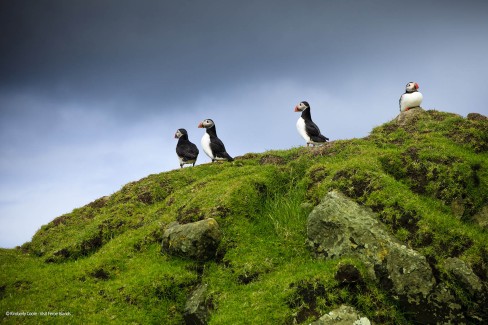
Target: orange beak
x,y
416,86
296,109
200,125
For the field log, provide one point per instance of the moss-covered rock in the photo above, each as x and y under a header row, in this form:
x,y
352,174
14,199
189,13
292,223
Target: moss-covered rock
x,y
344,315
197,240
338,226
197,307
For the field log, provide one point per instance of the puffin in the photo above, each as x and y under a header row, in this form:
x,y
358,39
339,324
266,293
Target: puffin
x,y
187,151
212,145
411,98
306,127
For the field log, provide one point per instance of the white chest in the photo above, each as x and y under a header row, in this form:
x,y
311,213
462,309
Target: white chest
x,y
187,162
410,100
206,145
301,129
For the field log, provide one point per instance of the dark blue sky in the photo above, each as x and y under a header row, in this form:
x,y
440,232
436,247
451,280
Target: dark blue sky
x,y
91,92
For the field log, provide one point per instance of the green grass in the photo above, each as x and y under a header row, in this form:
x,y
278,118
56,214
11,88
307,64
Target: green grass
x,y
103,262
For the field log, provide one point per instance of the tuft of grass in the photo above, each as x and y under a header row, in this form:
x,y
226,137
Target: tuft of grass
x,y
287,213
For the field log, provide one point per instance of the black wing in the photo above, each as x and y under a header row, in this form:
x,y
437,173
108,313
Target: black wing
x,y
319,138
218,148
312,129
313,132
188,151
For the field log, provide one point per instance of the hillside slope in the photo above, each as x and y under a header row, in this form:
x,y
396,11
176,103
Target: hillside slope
x,y
424,174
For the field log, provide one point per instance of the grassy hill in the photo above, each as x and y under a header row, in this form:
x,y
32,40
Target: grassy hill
x,y
426,177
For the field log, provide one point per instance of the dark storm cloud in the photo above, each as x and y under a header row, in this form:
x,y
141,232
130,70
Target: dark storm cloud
x,y
158,51
151,49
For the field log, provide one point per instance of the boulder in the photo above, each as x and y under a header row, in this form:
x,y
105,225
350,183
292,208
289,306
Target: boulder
x,y
409,272
409,117
344,315
196,307
197,240
338,226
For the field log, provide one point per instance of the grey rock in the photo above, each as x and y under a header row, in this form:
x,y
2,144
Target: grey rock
x,y
338,226
410,273
409,117
196,307
198,240
344,315
464,275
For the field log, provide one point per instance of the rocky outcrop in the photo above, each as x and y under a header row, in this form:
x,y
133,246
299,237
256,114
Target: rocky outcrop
x,y
344,315
338,226
198,240
409,117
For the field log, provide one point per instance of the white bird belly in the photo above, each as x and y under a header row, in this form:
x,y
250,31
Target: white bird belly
x,y
187,162
301,129
206,145
410,100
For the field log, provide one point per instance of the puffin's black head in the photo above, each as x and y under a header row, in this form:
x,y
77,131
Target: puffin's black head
x,y
207,123
302,106
180,132
411,87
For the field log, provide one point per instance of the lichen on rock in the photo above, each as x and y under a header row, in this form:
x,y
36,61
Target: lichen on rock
x,y
344,315
339,227
197,306
197,240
